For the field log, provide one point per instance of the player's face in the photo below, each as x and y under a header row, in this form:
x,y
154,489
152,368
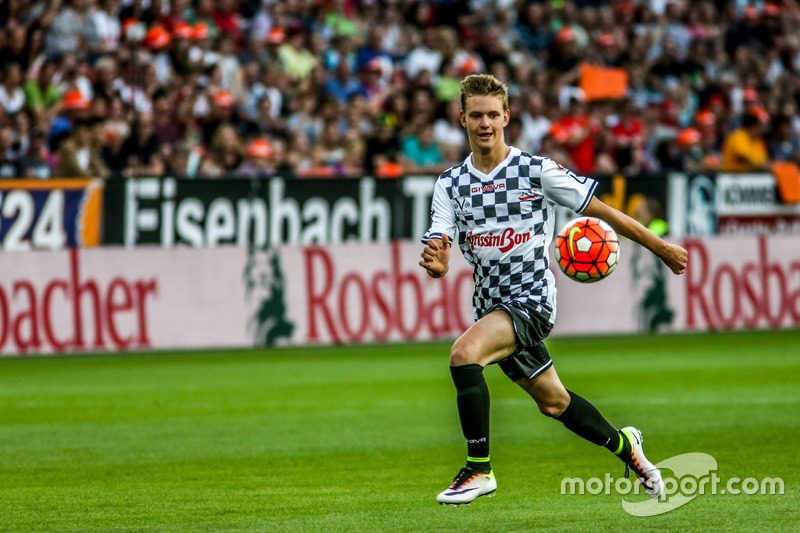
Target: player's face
x,y
485,119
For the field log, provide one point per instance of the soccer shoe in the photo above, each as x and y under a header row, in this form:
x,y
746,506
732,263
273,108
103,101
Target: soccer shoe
x,y
648,474
467,486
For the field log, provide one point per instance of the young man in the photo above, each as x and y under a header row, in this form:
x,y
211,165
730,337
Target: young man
x,y
497,188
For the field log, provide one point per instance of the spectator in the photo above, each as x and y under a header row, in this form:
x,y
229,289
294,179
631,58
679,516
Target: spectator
x,y
298,154
35,163
105,83
296,59
330,145
448,83
201,17
139,151
423,105
175,158
351,165
650,214
227,19
22,129
230,67
552,148
265,123
782,141
116,124
69,29
74,108
605,149
358,123
175,17
74,75
15,47
535,123
202,52
226,149
448,132
494,50
420,154
156,40
41,94
628,137
533,28
12,97
690,152
166,126
8,154
745,149
222,113
106,26
78,156
425,56
576,131
181,47
341,85
317,167
373,86
383,146
257,160
564,57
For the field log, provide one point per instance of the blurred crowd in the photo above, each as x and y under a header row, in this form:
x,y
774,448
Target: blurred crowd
x,y
317,88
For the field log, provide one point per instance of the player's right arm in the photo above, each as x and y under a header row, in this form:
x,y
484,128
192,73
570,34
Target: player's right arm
x,y
436,254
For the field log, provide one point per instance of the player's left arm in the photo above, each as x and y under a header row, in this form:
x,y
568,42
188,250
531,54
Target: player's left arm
x,y
672,255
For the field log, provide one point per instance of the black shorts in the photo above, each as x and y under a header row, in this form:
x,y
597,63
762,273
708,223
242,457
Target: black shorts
x,y
530,330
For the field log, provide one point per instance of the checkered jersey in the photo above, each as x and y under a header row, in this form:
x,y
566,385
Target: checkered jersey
x,y
504,225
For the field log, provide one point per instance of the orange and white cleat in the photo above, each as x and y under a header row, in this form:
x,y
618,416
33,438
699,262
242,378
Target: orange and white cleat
x,y
467,486
649,476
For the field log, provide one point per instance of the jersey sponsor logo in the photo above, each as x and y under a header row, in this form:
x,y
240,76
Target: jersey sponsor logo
x,y
529,194
462,203
504,241
489,188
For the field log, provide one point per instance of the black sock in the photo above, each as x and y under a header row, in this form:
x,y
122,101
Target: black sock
x,y
473,410
583,419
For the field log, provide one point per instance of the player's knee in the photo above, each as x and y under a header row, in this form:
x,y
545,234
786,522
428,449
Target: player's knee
x,y
553,407
460,355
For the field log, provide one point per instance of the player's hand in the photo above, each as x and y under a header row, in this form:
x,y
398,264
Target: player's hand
x,y
436,256
675,258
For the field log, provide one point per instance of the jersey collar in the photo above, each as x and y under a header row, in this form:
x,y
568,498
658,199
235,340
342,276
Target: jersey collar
x,y
511,153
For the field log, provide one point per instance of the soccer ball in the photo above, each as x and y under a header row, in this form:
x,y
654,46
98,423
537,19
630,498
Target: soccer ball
x,y
587,249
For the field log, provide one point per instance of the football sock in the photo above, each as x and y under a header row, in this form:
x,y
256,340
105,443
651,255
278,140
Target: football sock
x,y
472,396
479,464
583,419
623,449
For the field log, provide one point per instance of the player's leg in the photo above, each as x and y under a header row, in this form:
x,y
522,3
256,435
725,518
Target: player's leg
x,y
577,414
489,339
583,419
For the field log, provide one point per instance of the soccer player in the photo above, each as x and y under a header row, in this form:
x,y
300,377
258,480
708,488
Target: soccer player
x,y
500,191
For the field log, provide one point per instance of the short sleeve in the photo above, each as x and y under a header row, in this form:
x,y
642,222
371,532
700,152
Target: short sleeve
x,y
443,219
563,187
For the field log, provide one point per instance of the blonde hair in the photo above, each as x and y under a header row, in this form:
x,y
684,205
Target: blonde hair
x,y
483,85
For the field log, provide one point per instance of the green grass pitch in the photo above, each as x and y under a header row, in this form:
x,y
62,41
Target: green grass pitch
x,y
362,438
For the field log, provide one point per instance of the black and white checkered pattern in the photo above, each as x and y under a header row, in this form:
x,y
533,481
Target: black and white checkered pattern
x,y
503,221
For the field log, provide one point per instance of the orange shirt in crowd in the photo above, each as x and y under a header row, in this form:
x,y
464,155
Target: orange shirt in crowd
x,y
741,143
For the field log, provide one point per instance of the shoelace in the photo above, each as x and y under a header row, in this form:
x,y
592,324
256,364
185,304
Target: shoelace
x,y
464,476
637,468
